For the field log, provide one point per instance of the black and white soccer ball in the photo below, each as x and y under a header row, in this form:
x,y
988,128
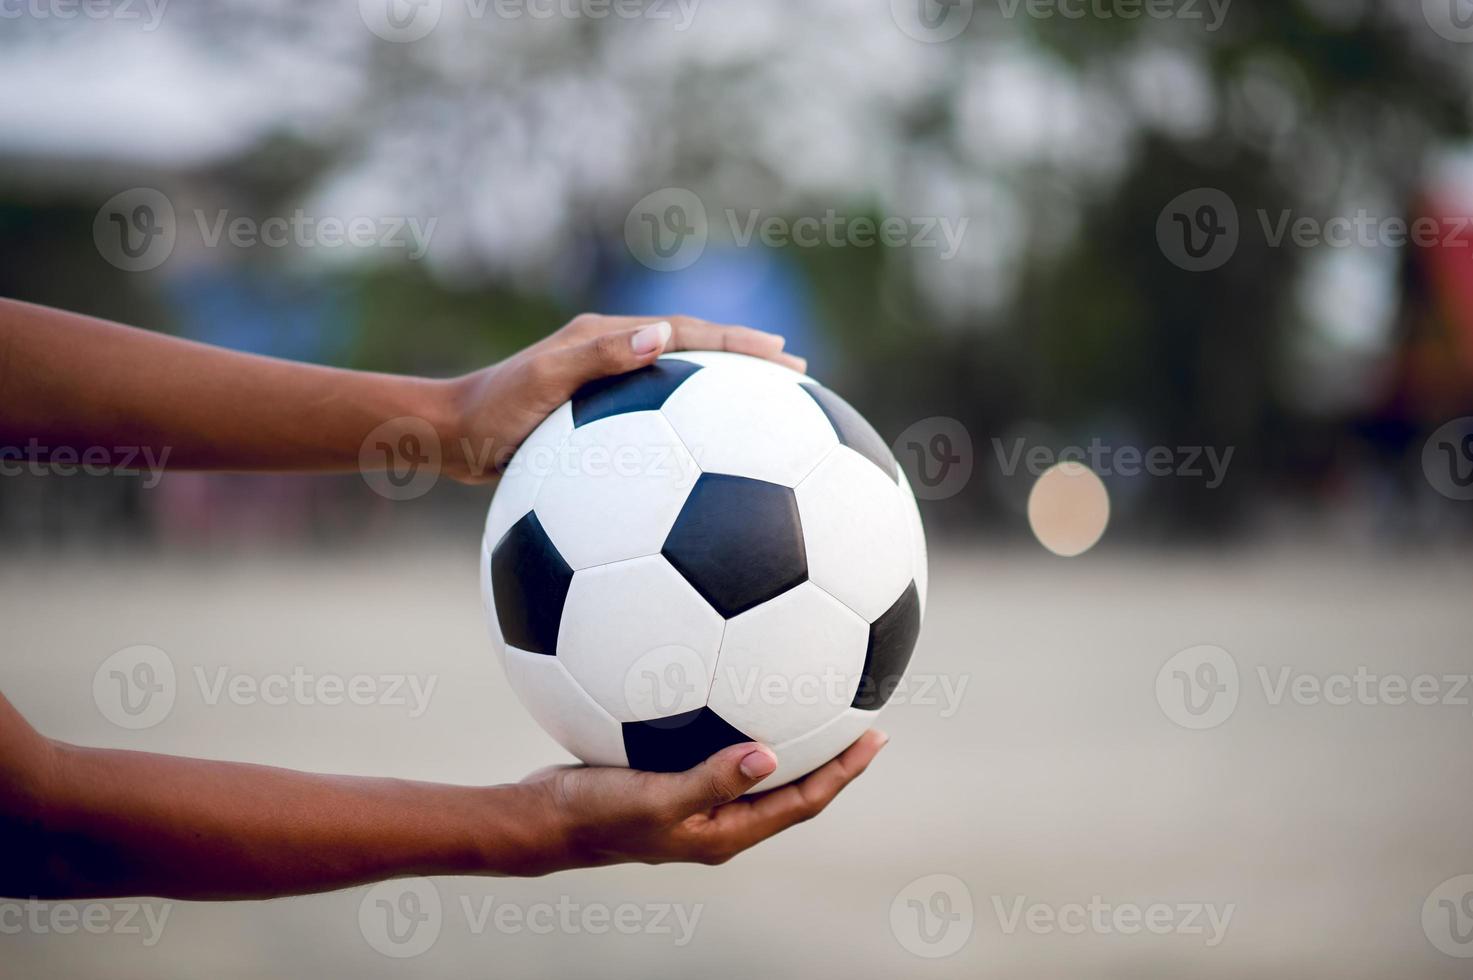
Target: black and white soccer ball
x,y
710,550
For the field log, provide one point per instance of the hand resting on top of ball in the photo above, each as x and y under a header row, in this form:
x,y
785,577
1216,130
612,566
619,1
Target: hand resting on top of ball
x,y
499,406
72,383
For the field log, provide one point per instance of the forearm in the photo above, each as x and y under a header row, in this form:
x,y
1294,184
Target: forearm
x,y
110,823
79,822
74,381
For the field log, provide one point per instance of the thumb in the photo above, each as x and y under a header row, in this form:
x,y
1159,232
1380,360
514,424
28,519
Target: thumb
x,y
721,778
612,353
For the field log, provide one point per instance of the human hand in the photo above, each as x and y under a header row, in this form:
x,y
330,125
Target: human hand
x,y
613,816
494,409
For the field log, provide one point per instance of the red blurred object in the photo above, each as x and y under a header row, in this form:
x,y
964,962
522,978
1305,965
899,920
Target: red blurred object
x,y
1432,379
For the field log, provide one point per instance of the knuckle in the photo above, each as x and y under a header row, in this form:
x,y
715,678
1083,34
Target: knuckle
x,y
717,789
809,809
584,324
714,853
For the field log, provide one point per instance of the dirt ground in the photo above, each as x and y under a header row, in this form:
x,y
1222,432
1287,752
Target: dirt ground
x,y
1080,826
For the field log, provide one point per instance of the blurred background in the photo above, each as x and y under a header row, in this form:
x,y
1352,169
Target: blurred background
x,y
1240,236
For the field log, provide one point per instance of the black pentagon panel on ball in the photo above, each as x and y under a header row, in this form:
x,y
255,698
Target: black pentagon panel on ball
x,y
892,639
644,390
678,742
529,582
853,430
738,542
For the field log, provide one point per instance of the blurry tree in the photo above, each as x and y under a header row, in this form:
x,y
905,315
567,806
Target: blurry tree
x,y
1059,140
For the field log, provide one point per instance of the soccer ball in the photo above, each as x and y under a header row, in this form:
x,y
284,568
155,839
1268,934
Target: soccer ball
x,y
710,550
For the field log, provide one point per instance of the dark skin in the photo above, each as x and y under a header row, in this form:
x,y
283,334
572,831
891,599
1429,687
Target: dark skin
x,y
81,822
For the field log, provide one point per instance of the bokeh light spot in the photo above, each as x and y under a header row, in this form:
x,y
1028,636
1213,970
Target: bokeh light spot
x,y
1068,509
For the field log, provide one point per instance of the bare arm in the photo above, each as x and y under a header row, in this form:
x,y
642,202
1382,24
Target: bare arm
x,y
91,822
73,381
79,822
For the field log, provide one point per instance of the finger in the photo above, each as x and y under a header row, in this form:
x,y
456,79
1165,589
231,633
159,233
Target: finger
x,y
720,779
693,334
780,809
614,352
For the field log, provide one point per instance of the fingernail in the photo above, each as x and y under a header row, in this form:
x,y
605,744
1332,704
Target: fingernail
x,y
758,763
884,738
651,337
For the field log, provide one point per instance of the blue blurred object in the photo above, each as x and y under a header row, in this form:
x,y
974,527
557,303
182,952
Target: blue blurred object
x,y
301,321
754,287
